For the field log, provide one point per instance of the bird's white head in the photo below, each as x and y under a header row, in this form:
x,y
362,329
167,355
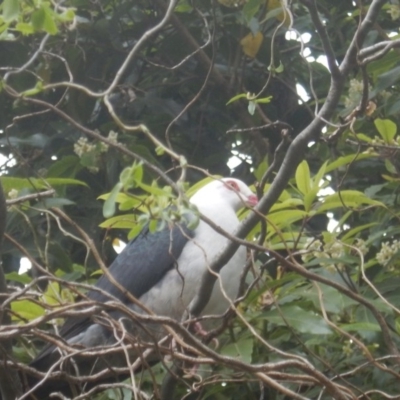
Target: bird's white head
x,y
231,191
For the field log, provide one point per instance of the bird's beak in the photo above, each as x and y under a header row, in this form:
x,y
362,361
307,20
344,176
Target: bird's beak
x,y
252,200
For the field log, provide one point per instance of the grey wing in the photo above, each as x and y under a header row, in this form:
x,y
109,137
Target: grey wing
x,y
140,266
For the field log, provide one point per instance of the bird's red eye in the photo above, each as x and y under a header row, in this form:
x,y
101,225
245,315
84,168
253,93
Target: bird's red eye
x,y
233,185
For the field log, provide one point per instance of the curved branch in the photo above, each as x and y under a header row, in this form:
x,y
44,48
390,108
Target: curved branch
x,y
350,58
323,34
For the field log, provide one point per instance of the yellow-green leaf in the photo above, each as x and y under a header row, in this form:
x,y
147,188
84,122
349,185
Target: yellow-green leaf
x,y
120,221
310,197
386,128
289,203
49,24
348,199
341,161
303,179
10,183
153,189
133,203
363,137
52,294
24,28
237,97
356,230
10,10
320,174
121,197
109,205
261,169
286,217
135,231
26,310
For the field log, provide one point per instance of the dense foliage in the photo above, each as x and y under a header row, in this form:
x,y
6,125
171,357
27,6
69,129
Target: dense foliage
x,y
111,109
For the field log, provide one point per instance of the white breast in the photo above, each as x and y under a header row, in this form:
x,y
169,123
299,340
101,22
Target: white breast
x,y
173,294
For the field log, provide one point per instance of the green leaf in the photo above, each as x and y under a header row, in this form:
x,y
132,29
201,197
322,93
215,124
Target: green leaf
x,y
279,69
89,159
289,203
286,217
153,225
390,167
341,161
156,191
393,108
67,166
397,325
390,178
56,202
303,179
353,197
26,310
20,278
333,301
160,151
132,176
353,232
310,197
10,183
285,195
135,231
38,18
67,16
251,8
320,174
35,90
183,6
264,100
361,326
24,28
121,222
10,10
58,182
49,24
241,350
261,169
349,199
299,319
386,128
109,206
363,137
274,13
237,97
132,203
121,197
52,296
138,173
385,80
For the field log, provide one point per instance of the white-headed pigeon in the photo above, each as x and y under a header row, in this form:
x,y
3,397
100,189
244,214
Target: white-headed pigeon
x,y
163,270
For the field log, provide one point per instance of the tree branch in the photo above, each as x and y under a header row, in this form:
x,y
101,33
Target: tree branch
x,y
294,156
10,384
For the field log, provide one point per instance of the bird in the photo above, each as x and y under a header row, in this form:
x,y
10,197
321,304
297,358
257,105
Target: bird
x,y
161,269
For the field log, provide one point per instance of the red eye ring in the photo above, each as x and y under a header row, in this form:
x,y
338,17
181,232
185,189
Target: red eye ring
x,y
232,185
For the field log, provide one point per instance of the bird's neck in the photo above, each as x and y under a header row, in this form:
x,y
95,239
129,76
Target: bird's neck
x,y
220,213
